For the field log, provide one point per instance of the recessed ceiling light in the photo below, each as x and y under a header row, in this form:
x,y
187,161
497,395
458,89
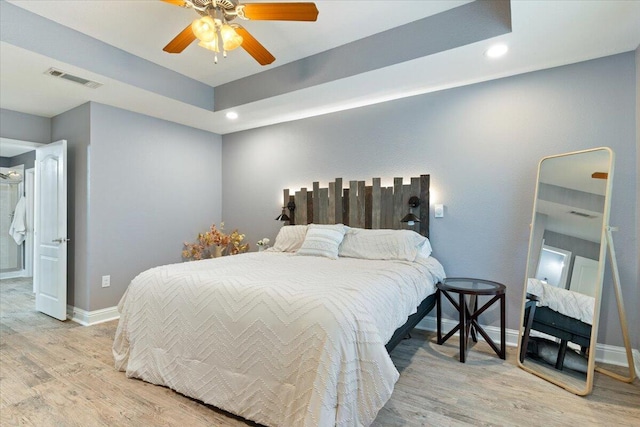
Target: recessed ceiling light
x,y
232,115
496,51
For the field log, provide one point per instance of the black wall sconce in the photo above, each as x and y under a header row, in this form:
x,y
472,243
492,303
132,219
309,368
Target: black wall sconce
x,y
410,218
284,217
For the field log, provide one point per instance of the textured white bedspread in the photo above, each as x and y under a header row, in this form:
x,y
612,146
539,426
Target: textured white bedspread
x,y
280,339
564,301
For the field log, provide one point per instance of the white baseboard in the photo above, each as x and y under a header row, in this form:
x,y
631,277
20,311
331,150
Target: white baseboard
x,y
88,318
13,274
604,353
614,355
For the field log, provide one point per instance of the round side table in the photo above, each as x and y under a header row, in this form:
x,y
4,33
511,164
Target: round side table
x,y
469,311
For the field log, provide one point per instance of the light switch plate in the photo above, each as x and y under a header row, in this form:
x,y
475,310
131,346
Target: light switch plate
x,y
106,281
439,211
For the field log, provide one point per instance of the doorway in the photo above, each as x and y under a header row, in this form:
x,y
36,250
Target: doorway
x,y
12,221
553,266
16,249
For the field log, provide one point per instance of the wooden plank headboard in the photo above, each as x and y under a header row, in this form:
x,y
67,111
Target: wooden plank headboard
x,y
362,206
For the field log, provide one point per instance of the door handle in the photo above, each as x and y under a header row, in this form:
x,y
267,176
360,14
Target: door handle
x,y
61,240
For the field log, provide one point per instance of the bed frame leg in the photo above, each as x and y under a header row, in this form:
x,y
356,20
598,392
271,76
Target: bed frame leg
x,y
562,351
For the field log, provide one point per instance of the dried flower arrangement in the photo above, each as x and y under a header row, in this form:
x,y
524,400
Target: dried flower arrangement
x,y
215,243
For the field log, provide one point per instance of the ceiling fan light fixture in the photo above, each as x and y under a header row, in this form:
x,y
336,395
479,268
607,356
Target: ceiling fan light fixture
x,y
230,38
204,29
213,31
211,45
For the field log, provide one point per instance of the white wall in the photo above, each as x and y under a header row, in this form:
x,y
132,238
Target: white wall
x,y
480,143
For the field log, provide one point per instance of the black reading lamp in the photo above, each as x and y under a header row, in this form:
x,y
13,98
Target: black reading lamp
x,y
410,218
283,216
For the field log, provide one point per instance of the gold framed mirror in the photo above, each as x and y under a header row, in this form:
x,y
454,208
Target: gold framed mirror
x,y
565,268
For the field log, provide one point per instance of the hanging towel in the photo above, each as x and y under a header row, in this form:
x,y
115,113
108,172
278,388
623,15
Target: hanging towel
x,y
18,228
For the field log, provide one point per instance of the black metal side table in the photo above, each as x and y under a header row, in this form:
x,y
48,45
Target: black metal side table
x,y
469,312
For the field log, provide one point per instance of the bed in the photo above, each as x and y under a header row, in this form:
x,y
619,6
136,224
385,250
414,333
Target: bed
x,y
560,313
298,335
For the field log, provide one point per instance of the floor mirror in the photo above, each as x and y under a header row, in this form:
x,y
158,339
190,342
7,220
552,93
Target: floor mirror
x,y
568,244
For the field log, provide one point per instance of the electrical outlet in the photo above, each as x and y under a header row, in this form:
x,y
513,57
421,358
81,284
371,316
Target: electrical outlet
x,y
106,281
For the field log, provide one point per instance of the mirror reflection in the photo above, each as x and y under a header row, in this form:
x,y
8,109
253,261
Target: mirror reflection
x,y
565,268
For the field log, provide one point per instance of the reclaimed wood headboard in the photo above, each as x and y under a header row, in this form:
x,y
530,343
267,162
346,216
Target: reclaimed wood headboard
x,y
360,205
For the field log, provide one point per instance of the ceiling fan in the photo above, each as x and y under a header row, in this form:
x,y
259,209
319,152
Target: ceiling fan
x,y
215,32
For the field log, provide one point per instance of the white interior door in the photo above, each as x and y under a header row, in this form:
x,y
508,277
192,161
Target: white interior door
x,y
50,230
584,276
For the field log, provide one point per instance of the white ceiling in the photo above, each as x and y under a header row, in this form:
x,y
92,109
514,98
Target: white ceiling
x,y
545,34
574,172
146,26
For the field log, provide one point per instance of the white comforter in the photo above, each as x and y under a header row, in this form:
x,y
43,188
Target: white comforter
x,y
280,339
564,301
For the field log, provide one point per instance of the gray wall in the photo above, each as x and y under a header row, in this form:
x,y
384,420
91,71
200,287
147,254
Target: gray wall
x,y
24,127
480,143
27,159
633,306
138,187
74,126
153,185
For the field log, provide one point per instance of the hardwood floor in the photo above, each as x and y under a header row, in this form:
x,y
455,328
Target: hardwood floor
x,y
61,374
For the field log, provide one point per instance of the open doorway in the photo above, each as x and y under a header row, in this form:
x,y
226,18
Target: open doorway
x,y
17,160
12,221
553,267
49,227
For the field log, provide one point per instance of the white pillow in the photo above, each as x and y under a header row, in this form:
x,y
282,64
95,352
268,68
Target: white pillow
x,y
322,240
424,251
289,238
384,244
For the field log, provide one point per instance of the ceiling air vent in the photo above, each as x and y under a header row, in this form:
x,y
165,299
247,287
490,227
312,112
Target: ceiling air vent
x,y
61,74
582,214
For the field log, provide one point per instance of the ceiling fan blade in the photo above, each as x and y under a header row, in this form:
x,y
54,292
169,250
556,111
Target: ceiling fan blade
x,y
254,48
281,11
176,2
181,41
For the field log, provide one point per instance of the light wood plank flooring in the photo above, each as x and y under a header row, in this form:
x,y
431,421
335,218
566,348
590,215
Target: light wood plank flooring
x,y
61,374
